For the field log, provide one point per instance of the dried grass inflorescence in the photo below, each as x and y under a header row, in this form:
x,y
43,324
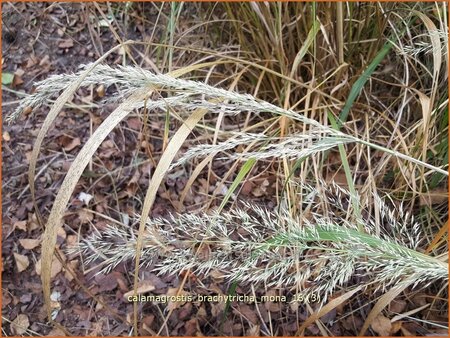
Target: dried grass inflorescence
x,y
251,244
188,96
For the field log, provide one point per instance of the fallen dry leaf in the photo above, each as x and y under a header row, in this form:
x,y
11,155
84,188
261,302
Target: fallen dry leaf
x,y
32,60
20,325
258,192
381,325
19,72
247,188
272,306
106,282
70,144
217,308
134,123
107,144
33,223
146,326
435,196
185,311
29,243
191,327
72,240
56,267
21,225
248,313
22,262
328,317
27,110
397,305
395,328
45,61
98,327
56,332
66,43
73,266
337,177
85,216
6,300
17,80
143,287
174,292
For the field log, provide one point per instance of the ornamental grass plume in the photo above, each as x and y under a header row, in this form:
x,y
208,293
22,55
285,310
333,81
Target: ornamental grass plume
x,y
188,96
251,244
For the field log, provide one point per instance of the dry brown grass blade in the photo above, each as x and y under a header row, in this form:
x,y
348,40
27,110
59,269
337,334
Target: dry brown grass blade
x,y
50,118
383,302
427,104
68,185
327,308
163,165
340,30
436,43
194,176
442,231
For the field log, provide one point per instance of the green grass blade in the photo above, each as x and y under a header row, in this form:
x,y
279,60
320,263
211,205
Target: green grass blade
x,y
348,176
231,292
240,176
302,52
359,84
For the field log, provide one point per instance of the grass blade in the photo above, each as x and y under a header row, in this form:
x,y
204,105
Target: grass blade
x,y
160,171
68,185
359,84
383,302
